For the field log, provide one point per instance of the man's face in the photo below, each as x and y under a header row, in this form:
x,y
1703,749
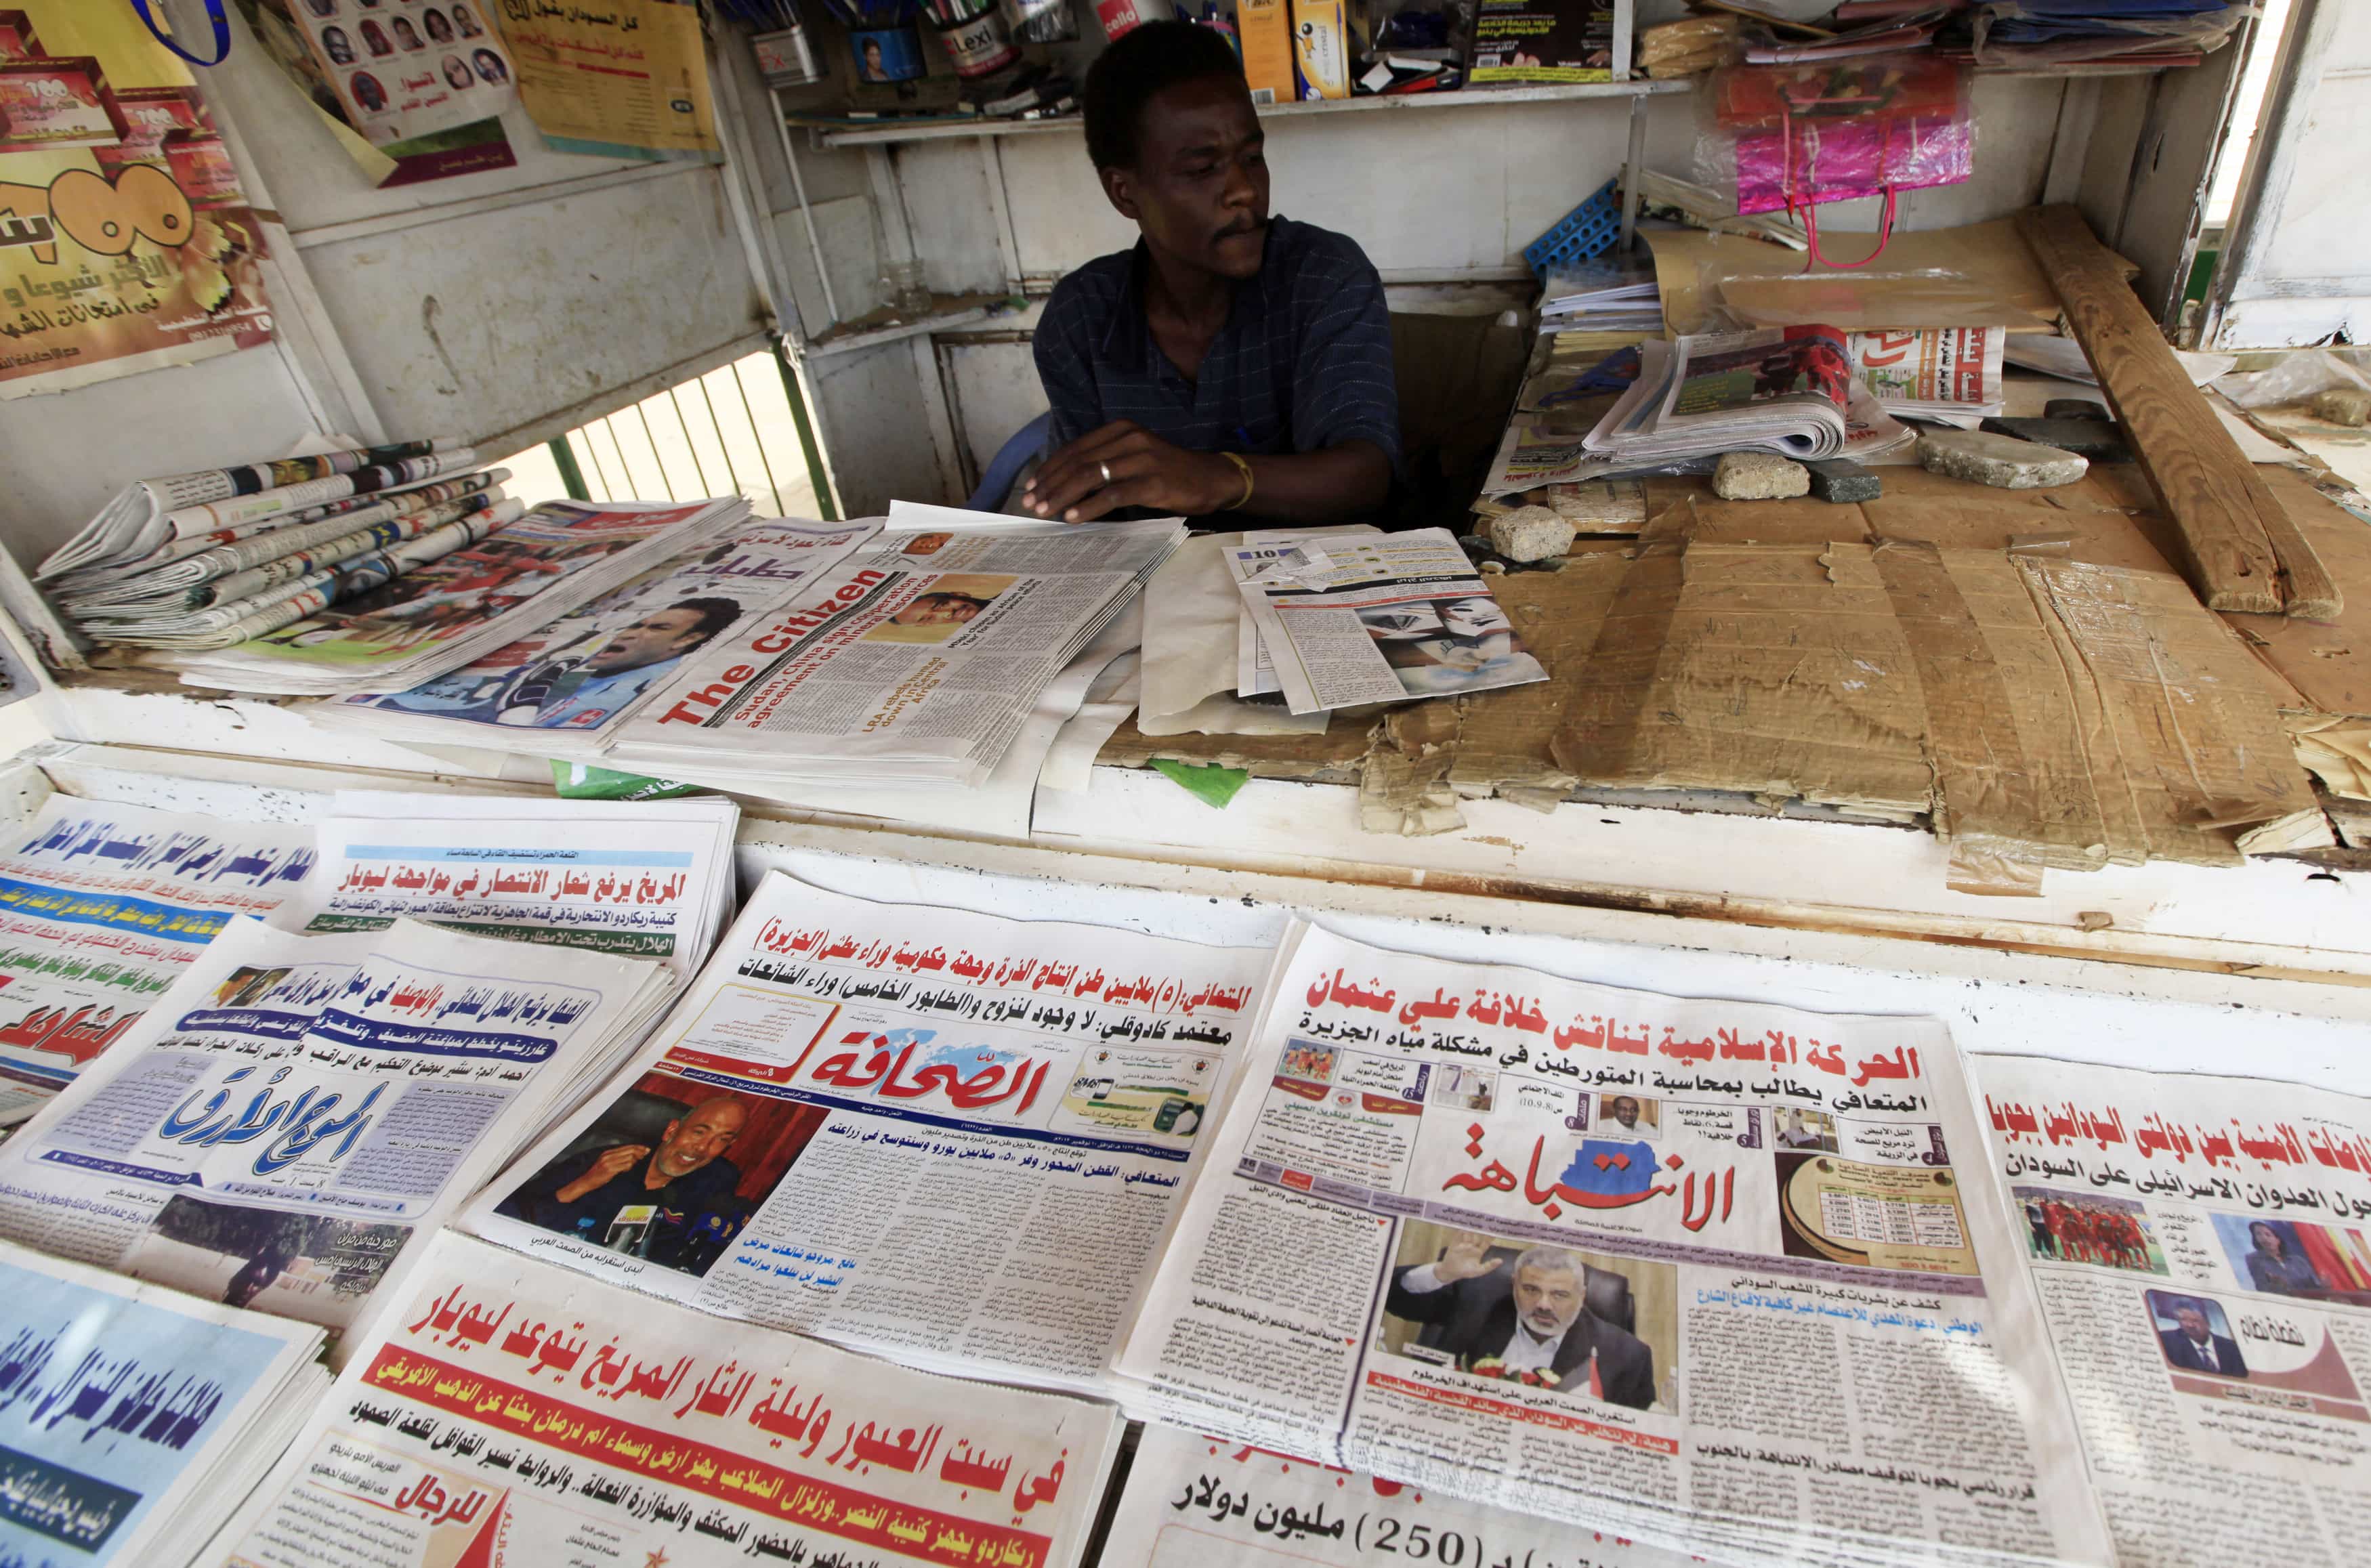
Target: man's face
x,y
1548,1300
662,634
1626,1111
1199,187
935,611
692,1141
2193,1322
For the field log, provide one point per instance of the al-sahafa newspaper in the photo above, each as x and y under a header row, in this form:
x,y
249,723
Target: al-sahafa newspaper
x,y
1709,1275
952,1138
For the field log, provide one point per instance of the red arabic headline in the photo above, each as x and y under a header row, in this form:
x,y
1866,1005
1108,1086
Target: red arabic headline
x,y
2279,1144
1160,995
1484,1405
546,882
1510,1010
714,1473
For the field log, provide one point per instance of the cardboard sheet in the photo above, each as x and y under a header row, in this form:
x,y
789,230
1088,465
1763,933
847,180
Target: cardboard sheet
x,y
1979,275
2328,663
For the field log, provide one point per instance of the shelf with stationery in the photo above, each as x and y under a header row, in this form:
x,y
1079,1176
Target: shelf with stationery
x,y
840,133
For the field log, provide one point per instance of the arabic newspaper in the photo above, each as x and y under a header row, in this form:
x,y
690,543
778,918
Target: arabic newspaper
x,y
2201,1249
1199,1502
951,1138
648,879
132,1419
438,616
508,1411
1949,370
1377,618
917,661
1784,390
1699,1273
101,907
297,1114
564,689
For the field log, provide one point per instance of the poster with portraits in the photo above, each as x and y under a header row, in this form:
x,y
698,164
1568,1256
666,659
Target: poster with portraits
x,y
406,68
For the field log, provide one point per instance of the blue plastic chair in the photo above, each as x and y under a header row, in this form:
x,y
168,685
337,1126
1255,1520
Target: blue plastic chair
x,y
996,484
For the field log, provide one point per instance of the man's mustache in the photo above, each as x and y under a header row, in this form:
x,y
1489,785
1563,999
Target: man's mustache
x,y
1247,226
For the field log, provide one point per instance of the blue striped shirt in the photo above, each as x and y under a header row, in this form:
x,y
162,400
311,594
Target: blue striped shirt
x,y
1304,363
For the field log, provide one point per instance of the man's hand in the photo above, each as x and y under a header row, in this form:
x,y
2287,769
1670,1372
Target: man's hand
x,y
613,1163
1145,471
1463,1260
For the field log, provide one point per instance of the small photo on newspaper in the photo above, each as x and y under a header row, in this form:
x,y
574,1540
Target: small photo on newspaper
x,y
1378,618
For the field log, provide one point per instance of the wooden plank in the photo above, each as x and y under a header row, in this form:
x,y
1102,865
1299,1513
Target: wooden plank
x,y
2217,505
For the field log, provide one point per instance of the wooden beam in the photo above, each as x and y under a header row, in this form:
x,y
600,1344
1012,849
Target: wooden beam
x,y
2227,519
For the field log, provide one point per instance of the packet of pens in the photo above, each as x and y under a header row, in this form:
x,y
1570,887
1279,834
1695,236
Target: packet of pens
x,y
974,31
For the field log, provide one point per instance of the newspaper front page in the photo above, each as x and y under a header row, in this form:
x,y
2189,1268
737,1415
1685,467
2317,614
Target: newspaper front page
x,y
101,907
917,661
2202,1248
1942,369
297,1114
1382,618
1702,1272
506,1411
567,687
954,1138
132,1419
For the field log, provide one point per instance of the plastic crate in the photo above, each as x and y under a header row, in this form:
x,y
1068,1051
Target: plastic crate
x,y
1589,230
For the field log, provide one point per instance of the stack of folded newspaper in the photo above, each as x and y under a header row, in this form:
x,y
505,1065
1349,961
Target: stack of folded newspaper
x,y
435,617
917,661
133,1419
210,558
1611,295
1948,375
292,1120
1782,389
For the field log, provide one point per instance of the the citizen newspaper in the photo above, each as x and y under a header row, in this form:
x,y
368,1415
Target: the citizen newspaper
x,y
295,1118
1192,1501
506,1411
1382,618
917,661
132,1419
101,907
2202,1248
954,1138
1707,1275
563,689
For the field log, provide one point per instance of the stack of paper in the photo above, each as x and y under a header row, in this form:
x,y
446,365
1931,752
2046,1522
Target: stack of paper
x,y
293,1119
435,617
134,1419
1605,296
916,664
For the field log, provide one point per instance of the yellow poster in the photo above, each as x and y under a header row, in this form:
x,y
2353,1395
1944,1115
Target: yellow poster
x,y
622,78
125,242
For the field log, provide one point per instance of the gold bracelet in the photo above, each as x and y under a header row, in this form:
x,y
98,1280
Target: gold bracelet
x,y
1245,469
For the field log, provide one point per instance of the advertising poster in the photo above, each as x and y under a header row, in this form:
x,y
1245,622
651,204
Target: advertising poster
x,y
627,79
125,242
402,69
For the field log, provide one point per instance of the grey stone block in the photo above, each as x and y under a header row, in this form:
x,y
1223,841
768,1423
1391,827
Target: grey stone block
x,y
1530,533
2001,461
1840,481
2102,441
2076,408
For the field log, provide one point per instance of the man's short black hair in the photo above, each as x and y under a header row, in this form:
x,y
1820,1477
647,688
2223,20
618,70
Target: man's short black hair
x,y
714,614
1145,61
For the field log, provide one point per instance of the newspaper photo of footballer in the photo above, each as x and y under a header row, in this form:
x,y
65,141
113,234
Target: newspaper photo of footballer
x,y
670,1173
1581,1323
2085,1228
1462,642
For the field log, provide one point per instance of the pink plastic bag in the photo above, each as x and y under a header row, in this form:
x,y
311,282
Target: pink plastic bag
x,y
1841,129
